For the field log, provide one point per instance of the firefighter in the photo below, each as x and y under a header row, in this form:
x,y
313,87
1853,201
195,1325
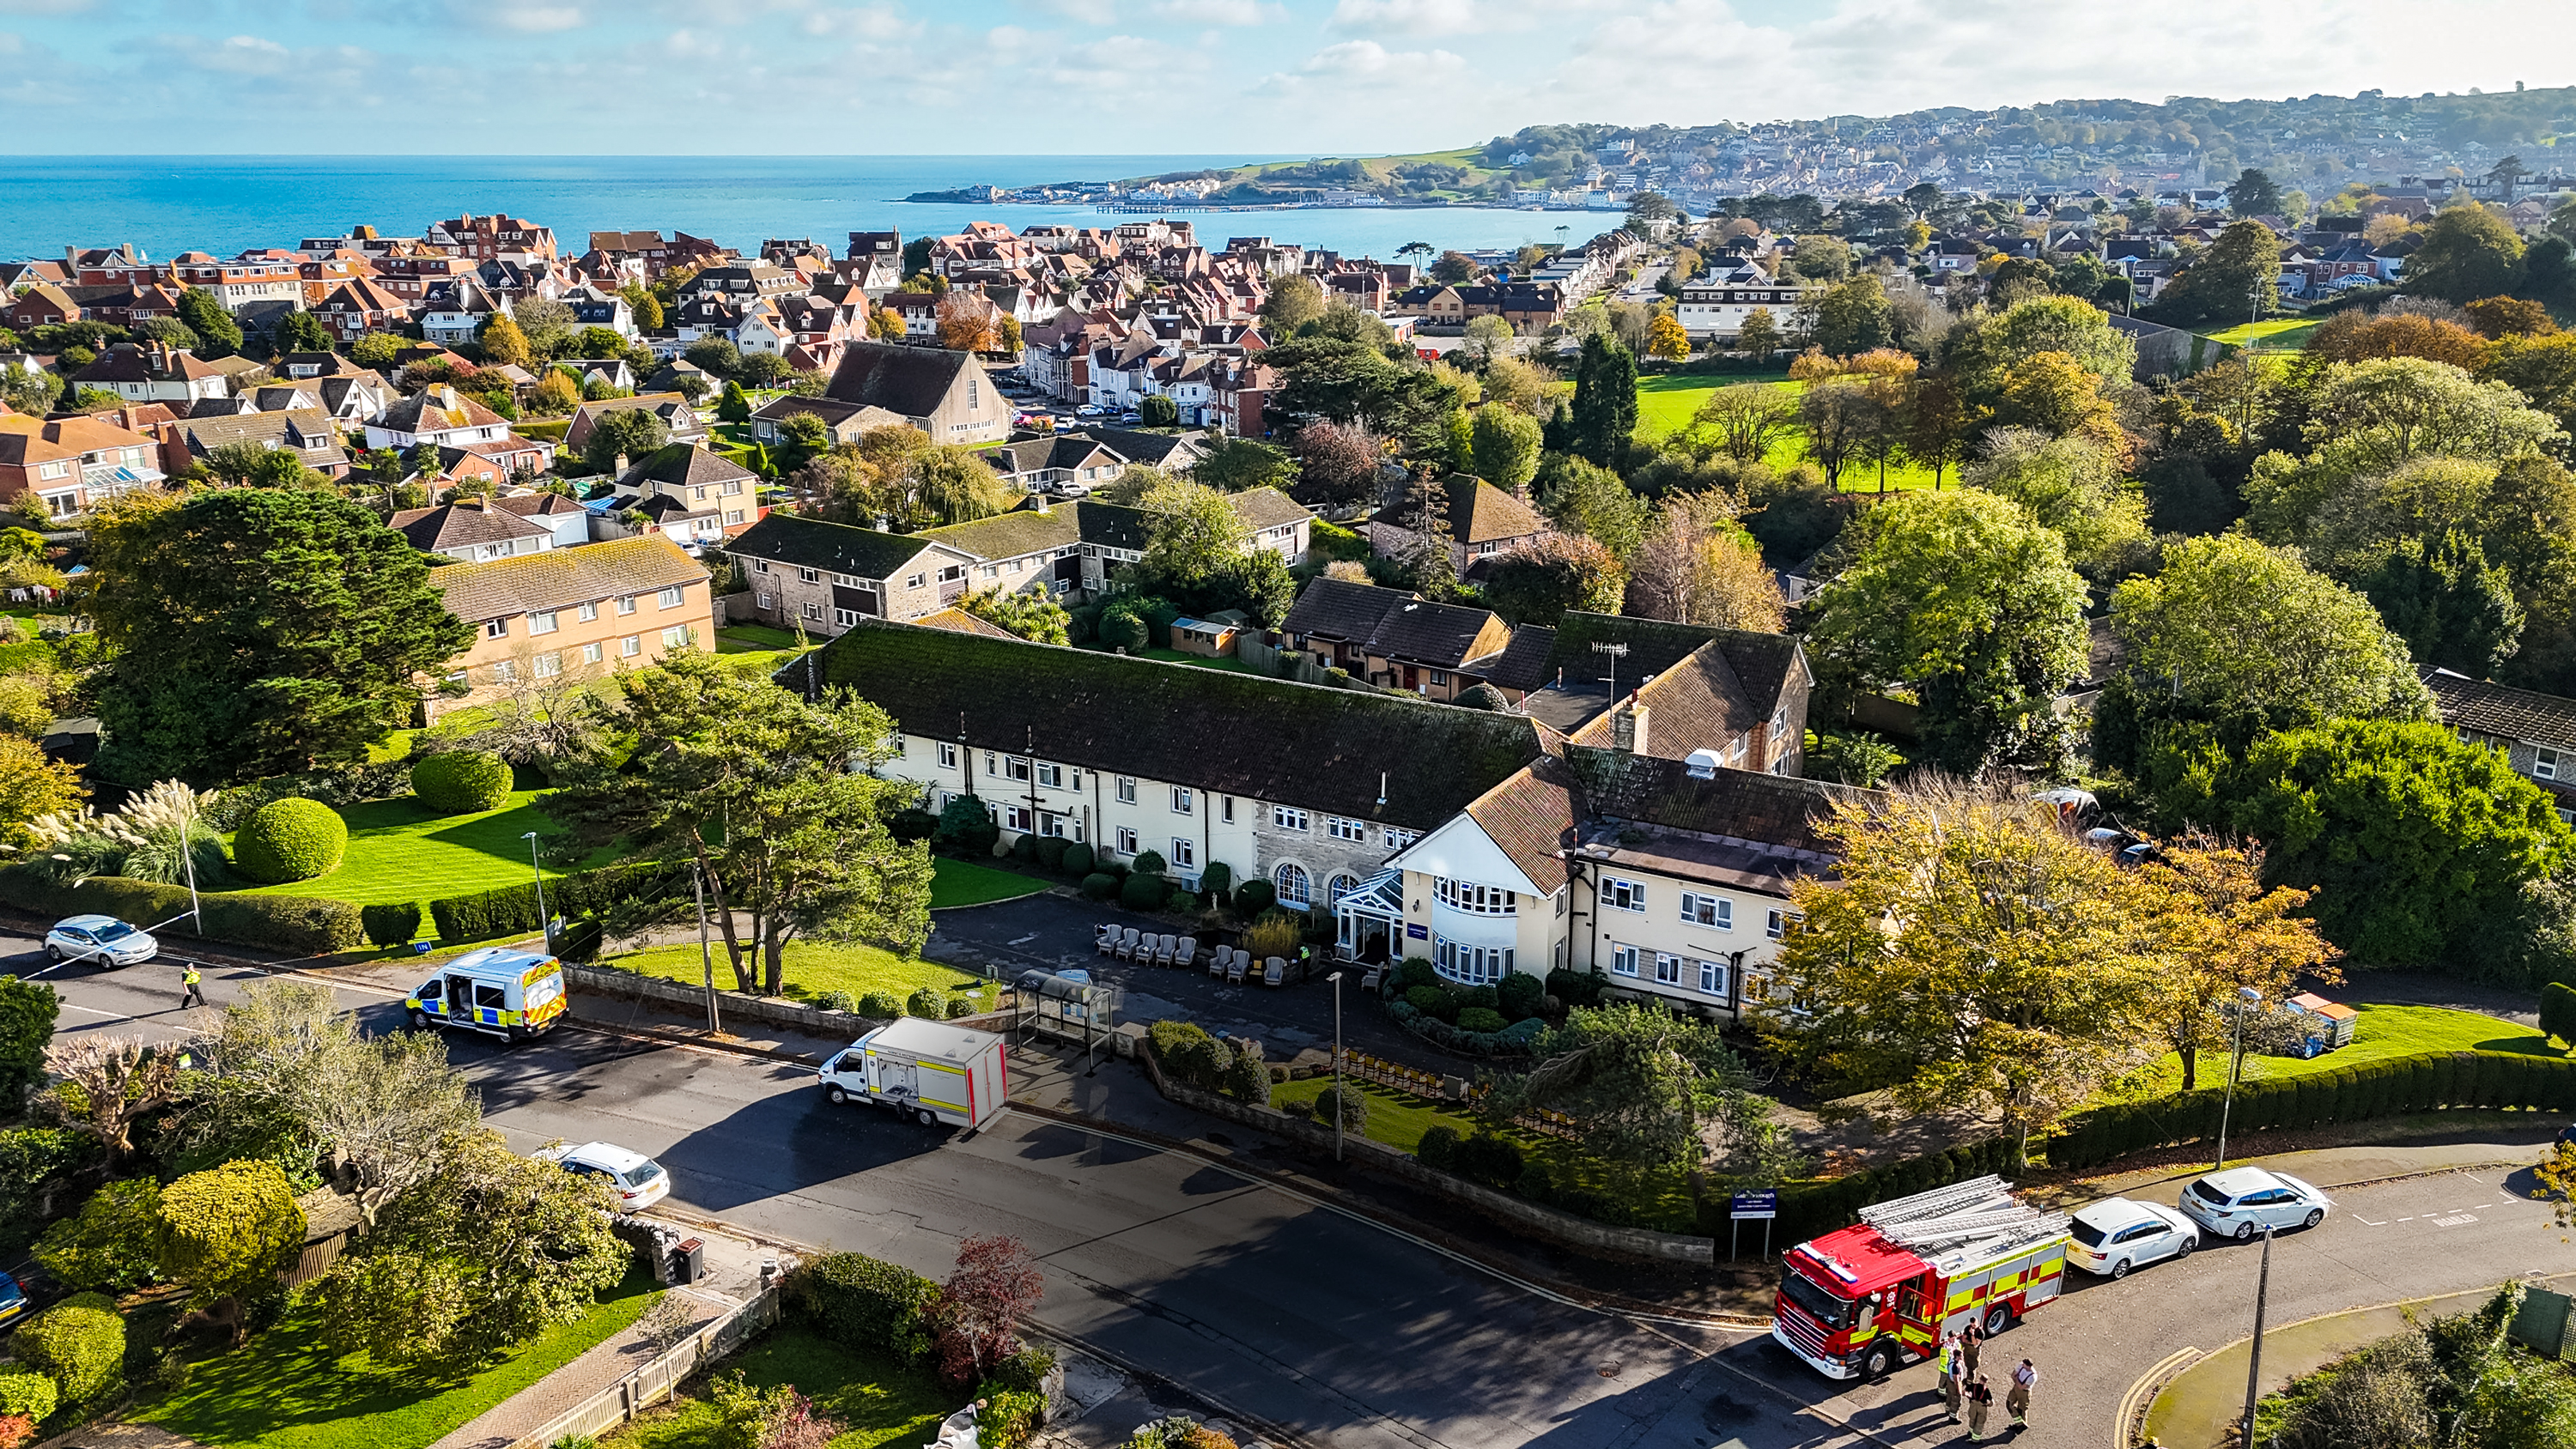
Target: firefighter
x,y
2017,1398
1981,1402
1971,1339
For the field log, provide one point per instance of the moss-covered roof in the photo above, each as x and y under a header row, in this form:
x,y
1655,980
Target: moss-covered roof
x,y
1236,734
1761,662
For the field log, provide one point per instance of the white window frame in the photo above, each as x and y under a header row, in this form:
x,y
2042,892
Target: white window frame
x,y
1185,853
1472,898
1354,831
1288,817
1051,777
593,652
1777,926
1623,960
1668,969
676,637
673,597
1714,912
1126,790
1712,978
630,646
1304,894
543,622
1184,800
1126,840
2545,760
496,628
1623,895
947,755
1016,817
626,605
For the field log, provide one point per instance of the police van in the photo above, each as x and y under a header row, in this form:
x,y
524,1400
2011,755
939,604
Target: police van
x,y
498,992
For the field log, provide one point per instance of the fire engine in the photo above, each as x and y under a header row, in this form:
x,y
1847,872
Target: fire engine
x,y
1874,1296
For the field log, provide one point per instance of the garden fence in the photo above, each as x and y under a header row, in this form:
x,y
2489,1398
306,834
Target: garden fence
x,y
1436,1087
632,1394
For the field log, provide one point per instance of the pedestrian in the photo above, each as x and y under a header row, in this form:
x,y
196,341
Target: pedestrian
x,y
189,980
1981,1401
2017,1398
1971,1339
1951,1384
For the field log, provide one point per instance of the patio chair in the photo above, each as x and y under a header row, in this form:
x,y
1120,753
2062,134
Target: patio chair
x,y
1234,969
1217,960
1274,972
1127,944
1163,948
1186,954
1106,938
1370,978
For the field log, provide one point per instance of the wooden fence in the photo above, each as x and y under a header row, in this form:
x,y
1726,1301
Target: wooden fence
x,y
632,1394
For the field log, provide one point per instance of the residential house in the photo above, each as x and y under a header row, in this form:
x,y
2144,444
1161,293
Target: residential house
x,y
307,432
2536,731
566,520
679,420
59,467
472,530
242,281
42,304
1399,640
435,414
1715,306
825,577
565,615
685,492
487,238
1484,523
607,371
1171,452
945,394
1067,463
155,372
357,307
592,307
842,422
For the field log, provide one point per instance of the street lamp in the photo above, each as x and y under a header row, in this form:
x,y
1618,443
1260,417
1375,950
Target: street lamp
x,y
2250,998
544,922
1336,979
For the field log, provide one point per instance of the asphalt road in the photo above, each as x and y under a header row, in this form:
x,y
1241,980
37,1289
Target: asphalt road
x,y
1278,1307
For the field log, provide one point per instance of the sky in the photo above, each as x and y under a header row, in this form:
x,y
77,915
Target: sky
x,y
1270,77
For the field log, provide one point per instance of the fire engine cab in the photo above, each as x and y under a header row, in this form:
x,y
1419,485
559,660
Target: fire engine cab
x,y
1866,1300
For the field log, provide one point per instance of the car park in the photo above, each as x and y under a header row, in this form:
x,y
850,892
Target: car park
x,y
2115,1235
2243,1201
638,1180
104,939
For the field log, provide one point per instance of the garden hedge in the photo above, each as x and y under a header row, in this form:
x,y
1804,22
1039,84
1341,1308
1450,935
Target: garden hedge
x,y
461,782
290,839
79,1343
298,925
28,1395
865,1303
511,910
392,923
2389,1087
2558,1011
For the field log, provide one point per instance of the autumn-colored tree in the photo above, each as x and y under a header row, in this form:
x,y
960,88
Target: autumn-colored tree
x,y
979,1310
886,325
1696,566
2220,931
1666,339
1759,335
1537,584
2053,393
966,322
555,394
2358,337
2497,318
504,344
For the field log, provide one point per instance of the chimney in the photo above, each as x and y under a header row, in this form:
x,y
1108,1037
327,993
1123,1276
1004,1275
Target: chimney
x,y
619,470
1628,729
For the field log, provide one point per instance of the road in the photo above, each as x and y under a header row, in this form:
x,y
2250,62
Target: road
x,y
1291,1312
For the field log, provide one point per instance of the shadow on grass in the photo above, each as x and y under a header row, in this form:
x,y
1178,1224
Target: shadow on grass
x,y
882,1402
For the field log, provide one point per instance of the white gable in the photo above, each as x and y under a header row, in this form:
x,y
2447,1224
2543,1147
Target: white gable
x,y
1461,850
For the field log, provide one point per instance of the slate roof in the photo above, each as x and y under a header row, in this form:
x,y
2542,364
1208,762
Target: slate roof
x,y
1698,704
538,505
1340,609
462,525
911,381
1522,666
1739,827
306,430
2500,710
560,578
1479,512
1029,530
1761,661
681,465
439,408
837,548
1261,508
1236,734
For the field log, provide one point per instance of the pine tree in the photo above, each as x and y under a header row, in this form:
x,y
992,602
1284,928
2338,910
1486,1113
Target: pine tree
x,y
1605,399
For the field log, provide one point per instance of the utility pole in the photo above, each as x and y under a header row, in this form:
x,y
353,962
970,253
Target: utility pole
x,y
545,923
2247,997
706,953
2254,1370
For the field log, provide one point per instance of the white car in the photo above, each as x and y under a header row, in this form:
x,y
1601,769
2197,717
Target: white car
x,y
638,1180
2115,1235
2243,1201
103,939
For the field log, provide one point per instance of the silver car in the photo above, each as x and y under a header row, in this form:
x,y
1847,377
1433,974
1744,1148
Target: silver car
x,y
2115,1235
103,939
2243,1201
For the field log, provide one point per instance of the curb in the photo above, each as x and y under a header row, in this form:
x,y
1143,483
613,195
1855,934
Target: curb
x,y
2130,1427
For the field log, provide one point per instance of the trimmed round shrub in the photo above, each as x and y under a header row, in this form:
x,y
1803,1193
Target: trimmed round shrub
x,y
1520,995
1051,850
1484,996
1438,1148
1480,1018
1352,1103
1493,1161
837,1001
930,1002
1183,903
911,825
392,923
1079,859
1218,882
1099,885
31,1395
1255,896
1413,972
461,782
1144,892
1151,863
881,1004
1433,1001
963,1006
79,1343
290,839
1025,849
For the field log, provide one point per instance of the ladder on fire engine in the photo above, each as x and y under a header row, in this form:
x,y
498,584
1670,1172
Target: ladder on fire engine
x,y
1981,1214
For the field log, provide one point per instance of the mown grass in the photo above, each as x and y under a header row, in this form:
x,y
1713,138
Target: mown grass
x,y
286,1389
2279,332
2380,1033
399,851
810,968
1665,405
882,1402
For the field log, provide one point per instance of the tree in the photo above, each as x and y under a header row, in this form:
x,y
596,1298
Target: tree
x,y
32,783
804,849
115,1242
1649,1091
2072,485
649,316
1743,421
2497,318
2220,931
1585,498
1233,465
1935,422
1759,334
504,344
300,331
1821,258
2542,369
2253,194
954,484
1853,316
168,331
1337,463
27,1010
1968,601
1426,563
1334,379
227,1233
2250,629
556,394
377,350
716,355
1294,301
1154,410
1453,269
251,465
1840,414
1028,614
1605,400
1506,445
29,390
491,1251
2468,252
1537,584
733,405
2376,415
2050,391
1666,339
2235,280
965,322
1490,337
548,323
1192,533
978,1313
255,632
1007,331
218,334
630,433
2356,336
1973,955
386,1111
1696,566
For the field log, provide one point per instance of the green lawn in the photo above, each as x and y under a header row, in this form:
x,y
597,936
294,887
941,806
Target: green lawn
x,y
2280,332
811,968
400,852
882,1402
965,883
287,1390
734,638
1175,656
2383,1031
1665,404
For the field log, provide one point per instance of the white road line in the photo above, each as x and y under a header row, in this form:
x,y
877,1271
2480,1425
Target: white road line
x,y
2365,1222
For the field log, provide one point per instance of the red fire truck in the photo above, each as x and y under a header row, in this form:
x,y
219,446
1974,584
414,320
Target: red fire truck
x,y
1880,1294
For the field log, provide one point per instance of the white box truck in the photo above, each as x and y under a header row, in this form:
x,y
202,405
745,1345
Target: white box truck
x,y
925,1071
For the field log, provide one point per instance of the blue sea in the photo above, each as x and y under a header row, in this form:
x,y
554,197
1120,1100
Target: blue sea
x,y
226,204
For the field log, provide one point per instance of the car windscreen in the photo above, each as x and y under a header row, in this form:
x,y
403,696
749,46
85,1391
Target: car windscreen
x,y
1818,1304
2209,1194
641,1173
114,931
2087,1234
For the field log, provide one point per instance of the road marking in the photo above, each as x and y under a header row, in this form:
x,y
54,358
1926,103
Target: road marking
x,y
2367,1223
2455,1220
2406,1220
1024,940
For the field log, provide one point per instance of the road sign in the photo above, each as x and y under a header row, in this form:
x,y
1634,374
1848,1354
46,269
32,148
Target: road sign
x,y
1762,1204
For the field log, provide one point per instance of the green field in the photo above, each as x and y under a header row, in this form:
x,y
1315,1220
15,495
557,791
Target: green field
x,y
1665,404
810,968
399,851
881,1402
2278,334
287,1390
2382,1032
965,883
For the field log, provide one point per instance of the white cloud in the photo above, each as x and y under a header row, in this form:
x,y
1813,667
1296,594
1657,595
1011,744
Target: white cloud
x,y
1217,12
241,55
1088,12
689,45
43,7
862,22
538,19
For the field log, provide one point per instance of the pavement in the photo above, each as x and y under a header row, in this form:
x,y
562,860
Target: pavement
x,y
1221,1275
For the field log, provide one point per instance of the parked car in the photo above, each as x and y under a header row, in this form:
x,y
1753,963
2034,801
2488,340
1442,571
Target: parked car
x,y
103,939
2115,1235
13,1300
2243,1201
638,1180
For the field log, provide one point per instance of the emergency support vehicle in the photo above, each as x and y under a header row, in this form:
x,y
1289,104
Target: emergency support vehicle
x,y
513,994
927,1071
1868,1299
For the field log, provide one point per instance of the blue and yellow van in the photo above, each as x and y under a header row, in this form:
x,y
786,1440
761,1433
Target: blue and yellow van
x,y
504,993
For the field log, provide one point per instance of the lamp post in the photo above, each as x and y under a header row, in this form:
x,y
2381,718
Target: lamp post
x,y
2248,998
706,953
545,923
1336,979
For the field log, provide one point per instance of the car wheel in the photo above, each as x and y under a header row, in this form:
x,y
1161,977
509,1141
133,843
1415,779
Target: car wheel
x,y
2315,1216
839,1097
2245,1232
2184,1251
53,950
1998,1318
2120,1269
420,1021
1877,1363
